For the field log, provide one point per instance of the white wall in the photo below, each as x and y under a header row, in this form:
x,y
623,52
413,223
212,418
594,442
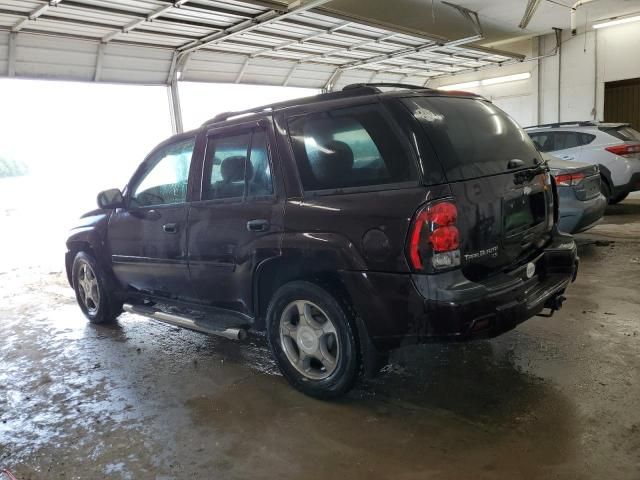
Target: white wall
x,y
516,98
586,62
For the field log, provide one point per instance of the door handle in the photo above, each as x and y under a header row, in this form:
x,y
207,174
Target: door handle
x,y
170,227
258,225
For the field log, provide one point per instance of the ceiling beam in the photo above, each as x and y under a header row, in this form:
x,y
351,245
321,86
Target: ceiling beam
x,y
532,6
249,25
333,79
139,21
469,15
290,74
242,70
410,51
34,14
301,41
351,48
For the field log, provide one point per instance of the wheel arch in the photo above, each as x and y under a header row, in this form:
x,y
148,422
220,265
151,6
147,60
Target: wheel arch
x,y
273,273
86,240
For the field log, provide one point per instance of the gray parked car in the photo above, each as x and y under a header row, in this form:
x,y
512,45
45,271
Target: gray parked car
x,y
614,147
581,203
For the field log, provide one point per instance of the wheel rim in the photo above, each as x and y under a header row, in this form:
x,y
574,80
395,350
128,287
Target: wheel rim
x,y
309,339
88,288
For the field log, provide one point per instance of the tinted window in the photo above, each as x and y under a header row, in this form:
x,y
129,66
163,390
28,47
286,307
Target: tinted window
x,y
351,147
554,140
259,174
472,137
227,171
543,141
564,140
165,181
225,164
586,138
626,134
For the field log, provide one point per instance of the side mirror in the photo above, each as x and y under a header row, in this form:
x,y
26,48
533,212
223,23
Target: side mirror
x,y
111,198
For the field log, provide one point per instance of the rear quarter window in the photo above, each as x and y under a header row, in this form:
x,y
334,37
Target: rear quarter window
x,y
472,137
626,134
350,147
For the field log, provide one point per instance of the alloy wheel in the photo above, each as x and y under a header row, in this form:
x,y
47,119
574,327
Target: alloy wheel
x,y
88,288
309,339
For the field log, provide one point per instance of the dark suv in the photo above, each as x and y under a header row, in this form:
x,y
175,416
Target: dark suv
x,y
344,225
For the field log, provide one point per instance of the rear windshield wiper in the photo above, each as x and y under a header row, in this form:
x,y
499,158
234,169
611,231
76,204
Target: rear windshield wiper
x,y
527,175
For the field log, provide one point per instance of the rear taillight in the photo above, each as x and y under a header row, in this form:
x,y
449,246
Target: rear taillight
x,y
569,179
435,240
624,149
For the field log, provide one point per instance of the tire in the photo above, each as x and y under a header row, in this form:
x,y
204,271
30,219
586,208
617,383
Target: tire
x,y
618,198
297,342
100,306
605,189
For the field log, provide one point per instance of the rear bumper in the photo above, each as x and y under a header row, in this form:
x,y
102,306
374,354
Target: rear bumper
x,y
405,308
632,186
579,215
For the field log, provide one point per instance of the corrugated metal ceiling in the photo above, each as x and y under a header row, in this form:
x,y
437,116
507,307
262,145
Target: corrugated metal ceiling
x,y
150,41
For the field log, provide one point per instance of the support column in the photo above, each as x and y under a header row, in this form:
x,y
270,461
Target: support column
x,y
559,43
11,64
174,107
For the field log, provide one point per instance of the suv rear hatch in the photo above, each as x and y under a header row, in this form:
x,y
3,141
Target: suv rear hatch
x,y
497,178
630,147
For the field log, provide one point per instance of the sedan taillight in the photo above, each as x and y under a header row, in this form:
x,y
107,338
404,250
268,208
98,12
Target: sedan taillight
x,y
569,179
624,149
434,237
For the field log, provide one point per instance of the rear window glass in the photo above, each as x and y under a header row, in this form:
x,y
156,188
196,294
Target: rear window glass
x,y
351,147
626,134
472,137
551,141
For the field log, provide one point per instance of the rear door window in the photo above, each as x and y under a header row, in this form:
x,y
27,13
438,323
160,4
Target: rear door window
x,y
350,147
236,166
472,137
225,166
545,141
566,140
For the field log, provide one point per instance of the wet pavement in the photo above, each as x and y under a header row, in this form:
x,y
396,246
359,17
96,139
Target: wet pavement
x,y
556,398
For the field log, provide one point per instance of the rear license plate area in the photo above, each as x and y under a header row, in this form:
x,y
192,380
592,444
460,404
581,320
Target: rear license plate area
x,y
523,212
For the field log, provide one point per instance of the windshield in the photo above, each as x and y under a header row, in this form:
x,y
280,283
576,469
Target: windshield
x,y
471,136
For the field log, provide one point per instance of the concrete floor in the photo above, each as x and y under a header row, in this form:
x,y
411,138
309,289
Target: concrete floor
x,y
556,398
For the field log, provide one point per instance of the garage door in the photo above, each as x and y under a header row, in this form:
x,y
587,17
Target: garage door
x,y
622,102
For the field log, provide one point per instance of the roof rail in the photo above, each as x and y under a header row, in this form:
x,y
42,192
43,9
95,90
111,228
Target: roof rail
x,y
375,86
587,123
351,92
227,115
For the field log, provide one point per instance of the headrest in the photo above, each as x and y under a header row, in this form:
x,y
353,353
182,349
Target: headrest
x,y
232,169
335,159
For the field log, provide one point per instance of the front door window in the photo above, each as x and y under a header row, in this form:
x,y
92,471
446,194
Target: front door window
x,y
165,181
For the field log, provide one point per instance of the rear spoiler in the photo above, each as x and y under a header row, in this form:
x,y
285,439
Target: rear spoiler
x,y
587,123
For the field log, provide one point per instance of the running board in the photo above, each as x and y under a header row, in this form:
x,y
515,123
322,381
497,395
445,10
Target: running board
x,y
185,322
